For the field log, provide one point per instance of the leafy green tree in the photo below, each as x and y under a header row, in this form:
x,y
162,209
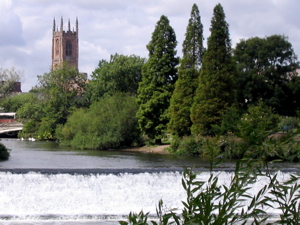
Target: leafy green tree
x,y
216,88
257,123
158,77
63,90
14,102
267,71
108,123
229,121
121,74
8,79
57,95
188,73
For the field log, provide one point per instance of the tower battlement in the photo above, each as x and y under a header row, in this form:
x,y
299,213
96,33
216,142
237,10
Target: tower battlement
x,y
64,45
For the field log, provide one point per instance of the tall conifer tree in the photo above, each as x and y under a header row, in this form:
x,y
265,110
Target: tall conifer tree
x,y
158,77
188,73
216,89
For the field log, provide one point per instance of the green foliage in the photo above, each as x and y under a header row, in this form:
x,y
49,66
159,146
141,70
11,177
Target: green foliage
x,y
109,123
46,129
234,147
121,74
4,152
229,121
56,96
188,73
188,145
29,129
216,88
14,102
30,113
209,202
257,124
290,151
137,219
62,90
286,195
267,71
158,77
31,108
288,124
163,217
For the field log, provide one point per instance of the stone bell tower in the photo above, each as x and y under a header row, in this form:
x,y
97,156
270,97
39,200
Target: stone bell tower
x,y
64,45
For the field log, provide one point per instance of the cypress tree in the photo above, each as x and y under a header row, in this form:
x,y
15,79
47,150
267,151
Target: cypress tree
x,y
158,77
216,89
188,73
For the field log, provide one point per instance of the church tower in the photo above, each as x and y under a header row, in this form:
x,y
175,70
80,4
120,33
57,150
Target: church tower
x,y
64,45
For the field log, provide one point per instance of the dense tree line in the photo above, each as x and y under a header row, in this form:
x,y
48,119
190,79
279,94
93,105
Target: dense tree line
x,y
207,92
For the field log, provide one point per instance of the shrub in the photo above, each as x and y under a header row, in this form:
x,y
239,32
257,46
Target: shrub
x,y
288,123
109,123
233,147
4,152
229,121
188,146
29,129
257,123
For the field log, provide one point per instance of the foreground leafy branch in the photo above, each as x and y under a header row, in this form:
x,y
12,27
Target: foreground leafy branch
x,y
208,202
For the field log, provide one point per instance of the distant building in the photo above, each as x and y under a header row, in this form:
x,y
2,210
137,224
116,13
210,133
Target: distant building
x,y
13,88
17,87
64,45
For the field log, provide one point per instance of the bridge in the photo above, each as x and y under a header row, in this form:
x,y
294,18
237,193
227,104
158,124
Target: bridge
x,y
10,128
9,125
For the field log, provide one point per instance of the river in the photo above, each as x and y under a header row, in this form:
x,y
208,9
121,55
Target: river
x,y
43,183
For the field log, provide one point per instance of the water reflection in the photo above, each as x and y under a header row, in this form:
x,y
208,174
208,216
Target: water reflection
x,y
29,154
37,154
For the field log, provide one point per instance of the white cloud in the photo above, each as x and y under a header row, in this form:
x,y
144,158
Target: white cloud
x,y
125,27
10,26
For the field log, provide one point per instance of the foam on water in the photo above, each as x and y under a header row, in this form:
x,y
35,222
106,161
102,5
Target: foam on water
x,y
35,196
63,195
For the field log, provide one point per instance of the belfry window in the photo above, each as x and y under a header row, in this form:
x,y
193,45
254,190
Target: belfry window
x,y
68,48
56,46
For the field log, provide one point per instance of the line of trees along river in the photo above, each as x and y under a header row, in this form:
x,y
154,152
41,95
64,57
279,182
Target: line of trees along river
x,y
215,102
131,100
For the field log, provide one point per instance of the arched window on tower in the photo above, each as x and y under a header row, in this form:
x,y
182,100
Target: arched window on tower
x,y
68,48
56,47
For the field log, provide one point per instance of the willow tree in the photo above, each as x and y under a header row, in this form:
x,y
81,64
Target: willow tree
x,y
188,73
216,89
158,77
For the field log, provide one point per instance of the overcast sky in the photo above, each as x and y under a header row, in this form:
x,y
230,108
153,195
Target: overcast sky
x,y
107,27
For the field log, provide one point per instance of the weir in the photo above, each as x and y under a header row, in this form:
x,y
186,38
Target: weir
x,y
45,184
35,198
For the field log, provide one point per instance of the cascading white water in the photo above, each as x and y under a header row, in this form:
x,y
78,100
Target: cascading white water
x,y
35,196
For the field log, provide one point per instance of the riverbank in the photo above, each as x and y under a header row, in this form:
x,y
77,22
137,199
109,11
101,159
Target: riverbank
x,y
159,149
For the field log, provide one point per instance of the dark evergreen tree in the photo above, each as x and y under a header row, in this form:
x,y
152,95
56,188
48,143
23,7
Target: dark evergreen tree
x,y
216,89
158,77
188,73
267,72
